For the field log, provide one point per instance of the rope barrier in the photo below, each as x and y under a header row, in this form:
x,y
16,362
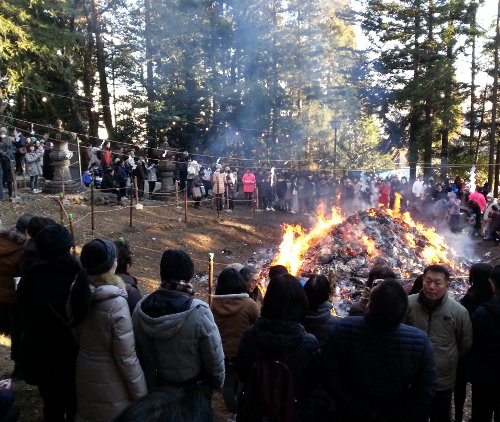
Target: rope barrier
x,y
256,162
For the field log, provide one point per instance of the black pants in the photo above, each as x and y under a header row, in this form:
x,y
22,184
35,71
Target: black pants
x,y
218,201
140,188
248,197
460,390
485,402
59,398
152,186
440,410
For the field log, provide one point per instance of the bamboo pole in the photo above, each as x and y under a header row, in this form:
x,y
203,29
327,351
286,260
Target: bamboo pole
x,y
210,276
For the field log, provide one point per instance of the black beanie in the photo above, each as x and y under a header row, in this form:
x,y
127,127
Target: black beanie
x,y
98,256
176,265
53,239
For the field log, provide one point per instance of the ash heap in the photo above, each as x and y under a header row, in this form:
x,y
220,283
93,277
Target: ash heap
x,y
348,249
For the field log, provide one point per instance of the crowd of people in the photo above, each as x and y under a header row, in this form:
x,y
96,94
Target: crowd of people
x,y
112,168
99,350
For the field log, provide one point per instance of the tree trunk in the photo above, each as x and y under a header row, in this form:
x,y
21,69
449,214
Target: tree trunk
x,y
472,121
494,110
101,70
150,92
481,122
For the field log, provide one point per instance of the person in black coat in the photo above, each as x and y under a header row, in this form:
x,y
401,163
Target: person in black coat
x,y
480,291
485,370
319,319
49,350
279,334
377,369
108,183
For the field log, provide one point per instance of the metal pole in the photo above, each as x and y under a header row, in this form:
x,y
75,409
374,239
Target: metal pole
x,y
210,276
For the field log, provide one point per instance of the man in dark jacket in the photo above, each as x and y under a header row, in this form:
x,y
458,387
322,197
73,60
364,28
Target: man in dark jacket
x,y
485,371
377,369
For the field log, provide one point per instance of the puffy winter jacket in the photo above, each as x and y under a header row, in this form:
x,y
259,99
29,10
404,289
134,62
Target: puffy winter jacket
x,y
177,340
450,331
376,375
233,315
108,374
320,322
218,180
33,163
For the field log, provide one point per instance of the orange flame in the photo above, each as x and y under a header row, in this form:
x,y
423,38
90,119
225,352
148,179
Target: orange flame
x,y
296,242
397,203
371,246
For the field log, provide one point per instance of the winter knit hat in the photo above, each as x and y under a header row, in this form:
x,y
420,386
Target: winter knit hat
x,y
53,239
98,256
176,265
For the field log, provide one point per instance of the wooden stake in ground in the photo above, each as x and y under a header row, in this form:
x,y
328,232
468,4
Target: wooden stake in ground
x,y
61,208
227,197
210,276
131,194
62,184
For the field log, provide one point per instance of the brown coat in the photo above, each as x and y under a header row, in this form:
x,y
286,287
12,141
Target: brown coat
x,y
108,374
233,314
11,253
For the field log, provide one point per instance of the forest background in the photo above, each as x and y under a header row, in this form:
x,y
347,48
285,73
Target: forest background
x,y
265,80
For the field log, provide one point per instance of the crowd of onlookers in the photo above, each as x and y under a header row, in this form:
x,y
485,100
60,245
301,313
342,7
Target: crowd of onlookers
x,y
99,350
453,204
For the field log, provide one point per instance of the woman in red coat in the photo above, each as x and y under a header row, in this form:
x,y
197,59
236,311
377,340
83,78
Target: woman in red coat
x,y
385,191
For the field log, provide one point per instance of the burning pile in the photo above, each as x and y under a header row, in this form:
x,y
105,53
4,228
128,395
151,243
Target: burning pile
x,y
349,249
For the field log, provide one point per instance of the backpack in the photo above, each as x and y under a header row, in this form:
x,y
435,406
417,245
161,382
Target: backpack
x,y
269,393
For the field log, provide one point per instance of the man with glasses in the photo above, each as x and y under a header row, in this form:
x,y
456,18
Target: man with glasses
x,y
449,328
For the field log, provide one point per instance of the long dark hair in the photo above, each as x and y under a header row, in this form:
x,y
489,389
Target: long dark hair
x,y
230,281
479,279
285,299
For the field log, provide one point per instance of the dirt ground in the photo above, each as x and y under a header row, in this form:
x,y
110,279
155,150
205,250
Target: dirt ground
x,y
233,237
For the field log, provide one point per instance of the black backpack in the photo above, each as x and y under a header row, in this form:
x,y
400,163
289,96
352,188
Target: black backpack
x,y
269,393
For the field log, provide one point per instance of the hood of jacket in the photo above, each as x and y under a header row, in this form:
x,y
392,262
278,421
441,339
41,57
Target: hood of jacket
x,y
163,313
318,317
276,338
228,305
106,286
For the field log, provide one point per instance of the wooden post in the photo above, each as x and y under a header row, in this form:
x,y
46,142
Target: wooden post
x,y
218,200
131,194
61,209
227,197
136,190
210,276
92,216
256,193
253,206
14,181
185,205
177,193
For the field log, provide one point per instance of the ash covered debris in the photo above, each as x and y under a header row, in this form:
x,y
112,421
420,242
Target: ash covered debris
x,y
374,237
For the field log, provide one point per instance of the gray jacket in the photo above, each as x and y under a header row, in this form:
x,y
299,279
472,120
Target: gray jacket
x,y
33,163
450,331
108,374
177,340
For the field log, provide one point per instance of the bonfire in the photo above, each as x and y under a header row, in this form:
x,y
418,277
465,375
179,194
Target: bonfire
x,y
346,249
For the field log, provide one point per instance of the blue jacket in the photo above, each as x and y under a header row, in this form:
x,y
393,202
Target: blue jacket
x,y
378,375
